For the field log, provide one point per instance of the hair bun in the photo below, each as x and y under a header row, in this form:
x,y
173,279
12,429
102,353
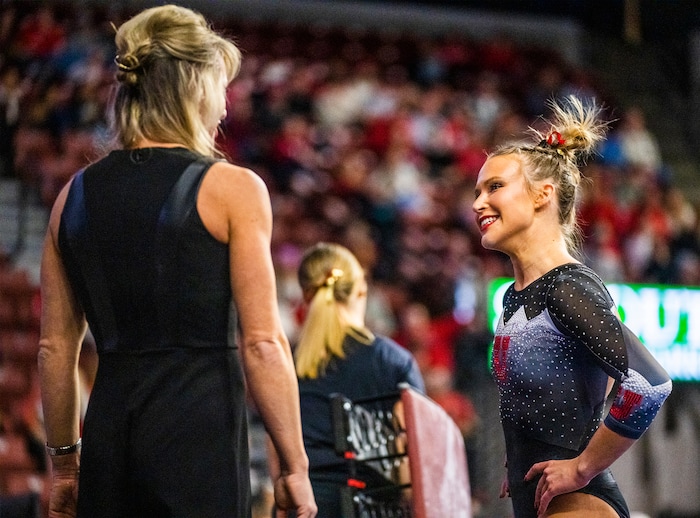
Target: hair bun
x,y
128,66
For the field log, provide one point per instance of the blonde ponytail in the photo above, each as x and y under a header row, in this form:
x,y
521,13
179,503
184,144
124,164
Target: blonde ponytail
x,y
327,275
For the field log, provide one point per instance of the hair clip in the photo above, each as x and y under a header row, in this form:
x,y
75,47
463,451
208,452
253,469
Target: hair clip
x,y
330,281
133,63
333,276
554,140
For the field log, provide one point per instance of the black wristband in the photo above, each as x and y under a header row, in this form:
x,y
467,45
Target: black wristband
x,y
64,450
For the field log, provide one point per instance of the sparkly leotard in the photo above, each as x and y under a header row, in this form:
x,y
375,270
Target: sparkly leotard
x,y
556,343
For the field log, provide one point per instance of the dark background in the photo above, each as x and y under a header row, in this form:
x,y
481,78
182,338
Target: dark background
x,y
659,19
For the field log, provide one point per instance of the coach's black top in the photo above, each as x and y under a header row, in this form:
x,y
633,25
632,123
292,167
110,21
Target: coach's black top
x,y
147,273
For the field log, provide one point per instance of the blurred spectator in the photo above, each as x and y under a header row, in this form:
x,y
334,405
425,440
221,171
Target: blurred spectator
x,y
649,236
546,84
398,179
439,386
431,66
342,98
603,222
487,103
415,333
40,35
13,89
8,27
639,146
291,150
684,218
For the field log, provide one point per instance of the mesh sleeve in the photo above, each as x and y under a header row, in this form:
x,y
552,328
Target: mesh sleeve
x,y
581,307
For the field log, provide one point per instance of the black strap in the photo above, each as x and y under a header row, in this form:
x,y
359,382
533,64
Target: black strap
x,y
177,208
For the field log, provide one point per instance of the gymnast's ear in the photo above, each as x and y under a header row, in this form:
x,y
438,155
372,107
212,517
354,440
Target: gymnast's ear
x,y
543,195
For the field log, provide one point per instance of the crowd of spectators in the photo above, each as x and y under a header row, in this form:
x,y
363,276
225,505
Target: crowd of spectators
x,y
368,138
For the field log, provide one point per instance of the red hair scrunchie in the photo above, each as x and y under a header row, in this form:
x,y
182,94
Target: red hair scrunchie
x,y
554,139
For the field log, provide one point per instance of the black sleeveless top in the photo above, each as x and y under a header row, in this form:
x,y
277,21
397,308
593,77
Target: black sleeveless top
x,y
147,273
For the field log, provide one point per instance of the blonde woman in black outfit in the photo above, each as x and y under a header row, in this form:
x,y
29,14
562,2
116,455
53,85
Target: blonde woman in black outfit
x,y
157,247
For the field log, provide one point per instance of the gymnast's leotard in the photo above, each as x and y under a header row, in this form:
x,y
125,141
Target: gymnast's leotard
x,y
557,342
